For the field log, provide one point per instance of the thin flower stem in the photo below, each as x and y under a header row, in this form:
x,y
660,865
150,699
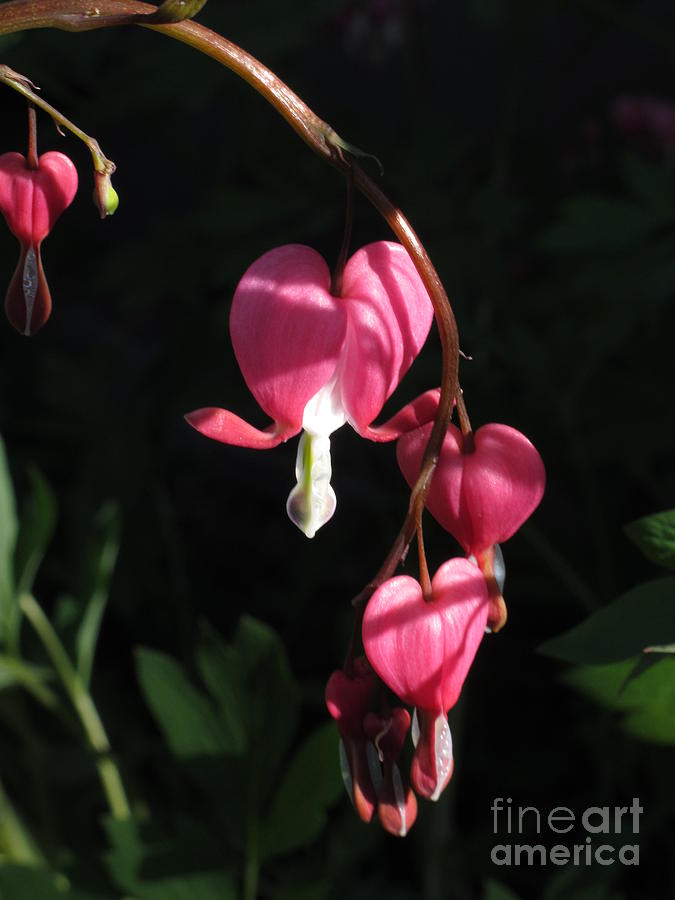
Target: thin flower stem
x,y
338,272
25,87
468,445
425,580
83,705
80,15
32,155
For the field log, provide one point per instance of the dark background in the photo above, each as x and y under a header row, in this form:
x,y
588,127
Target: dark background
x,y
494,124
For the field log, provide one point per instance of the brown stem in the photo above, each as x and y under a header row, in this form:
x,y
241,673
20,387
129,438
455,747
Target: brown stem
x,y
32,155
425,580
468,445
338,272
83,15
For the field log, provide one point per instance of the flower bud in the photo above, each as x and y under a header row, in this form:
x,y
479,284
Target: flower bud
x,y
106,199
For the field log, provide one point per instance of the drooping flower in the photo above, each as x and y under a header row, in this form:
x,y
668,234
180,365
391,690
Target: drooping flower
x,y
423,651
396,802
31,200
348,698
482,491
314,361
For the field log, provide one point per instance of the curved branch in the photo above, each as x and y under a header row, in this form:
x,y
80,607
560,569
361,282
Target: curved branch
x,y
86,15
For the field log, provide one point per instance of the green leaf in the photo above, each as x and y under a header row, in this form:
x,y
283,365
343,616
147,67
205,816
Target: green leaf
x,y
311,783
38,518
661,648
220,668
8,532
24,882
646,700
495,891
655,536
271,695
102,557
15,672
186,716
643,617
129,865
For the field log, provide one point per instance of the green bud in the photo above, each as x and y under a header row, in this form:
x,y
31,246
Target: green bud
x,y
106,199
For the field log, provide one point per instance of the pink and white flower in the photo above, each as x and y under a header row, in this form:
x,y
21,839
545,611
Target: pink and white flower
x,y
315,361
31,200
423,651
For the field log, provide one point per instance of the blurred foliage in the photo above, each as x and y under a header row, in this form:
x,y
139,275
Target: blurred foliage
x,y
554,233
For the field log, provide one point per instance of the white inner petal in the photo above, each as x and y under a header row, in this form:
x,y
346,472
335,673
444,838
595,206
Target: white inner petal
x,y
415,728
346,774
442,753
499,567
399,797
30,284
312,501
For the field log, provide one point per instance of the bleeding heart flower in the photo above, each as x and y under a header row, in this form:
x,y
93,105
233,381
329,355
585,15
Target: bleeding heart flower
x,y
480,495
314,361
348,698
31,200
423,651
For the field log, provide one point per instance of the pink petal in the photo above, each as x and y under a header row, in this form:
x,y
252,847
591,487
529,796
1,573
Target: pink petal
x,y
421,650
31,200
287,331
503,484
417,413
224,426
444,498
433,762
28,302
483,497
390,314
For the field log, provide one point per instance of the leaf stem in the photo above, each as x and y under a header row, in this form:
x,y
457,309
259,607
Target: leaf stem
x,y
83,705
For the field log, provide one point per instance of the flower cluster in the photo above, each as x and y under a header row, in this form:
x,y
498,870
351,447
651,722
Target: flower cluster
x,y
315,361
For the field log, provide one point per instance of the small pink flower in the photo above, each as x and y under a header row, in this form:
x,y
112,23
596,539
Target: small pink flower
x,y
481,495
348,698
423,652
31,200
314,361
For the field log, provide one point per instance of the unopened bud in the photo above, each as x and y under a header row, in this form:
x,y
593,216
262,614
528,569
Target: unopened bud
x,y
106,199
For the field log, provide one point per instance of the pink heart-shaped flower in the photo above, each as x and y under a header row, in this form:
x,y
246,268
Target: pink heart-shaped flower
x,y
423,650
484,496
31,200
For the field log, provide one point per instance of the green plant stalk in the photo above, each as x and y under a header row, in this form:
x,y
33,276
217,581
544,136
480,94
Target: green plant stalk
x,y
83,705
15,839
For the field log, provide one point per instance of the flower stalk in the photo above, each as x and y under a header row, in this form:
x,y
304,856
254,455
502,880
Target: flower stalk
x,y
27,89
83,705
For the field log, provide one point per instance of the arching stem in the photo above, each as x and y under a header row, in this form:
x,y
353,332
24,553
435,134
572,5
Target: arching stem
x,y
82,15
